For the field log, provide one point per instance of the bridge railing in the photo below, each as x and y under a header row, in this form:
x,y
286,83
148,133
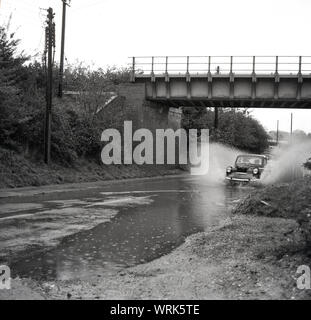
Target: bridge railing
x,y
181,65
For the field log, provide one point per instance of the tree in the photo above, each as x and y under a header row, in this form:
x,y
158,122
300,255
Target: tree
x,y
11,70
194,118
93,87
236,128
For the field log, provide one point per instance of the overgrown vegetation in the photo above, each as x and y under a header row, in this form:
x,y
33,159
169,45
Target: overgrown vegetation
x,y
22,105
307,164
235,128
76,129
287,200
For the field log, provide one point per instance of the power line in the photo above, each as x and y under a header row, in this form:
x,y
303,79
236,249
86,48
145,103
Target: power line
x,y
42,18
87,6
30,8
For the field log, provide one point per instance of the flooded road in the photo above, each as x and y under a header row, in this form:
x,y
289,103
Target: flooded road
x,y
145,220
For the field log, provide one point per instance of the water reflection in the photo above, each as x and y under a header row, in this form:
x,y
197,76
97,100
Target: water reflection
x,y
138,233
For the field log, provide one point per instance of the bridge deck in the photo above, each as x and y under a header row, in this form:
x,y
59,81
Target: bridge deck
x,y
259,82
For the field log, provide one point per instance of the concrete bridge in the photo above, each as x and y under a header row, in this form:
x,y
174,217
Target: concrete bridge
x,y
222,81
161,86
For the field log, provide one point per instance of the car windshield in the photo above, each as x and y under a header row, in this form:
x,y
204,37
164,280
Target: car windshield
x,y
249,160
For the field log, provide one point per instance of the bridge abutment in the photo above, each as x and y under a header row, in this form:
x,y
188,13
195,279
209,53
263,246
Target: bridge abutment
x,y
151,115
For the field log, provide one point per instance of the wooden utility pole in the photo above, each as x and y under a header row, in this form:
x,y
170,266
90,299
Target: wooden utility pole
x,y
62,50
291,128
277,132
50,42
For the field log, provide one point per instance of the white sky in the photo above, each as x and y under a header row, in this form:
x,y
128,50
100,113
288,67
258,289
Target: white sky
x,y
107,32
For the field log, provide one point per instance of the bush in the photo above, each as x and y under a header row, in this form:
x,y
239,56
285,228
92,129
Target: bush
x,y
287,200
236,128
22,106
307,164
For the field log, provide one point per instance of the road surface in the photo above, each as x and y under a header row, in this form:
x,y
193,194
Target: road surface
x,y
70,233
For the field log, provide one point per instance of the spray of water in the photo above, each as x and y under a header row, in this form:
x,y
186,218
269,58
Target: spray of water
x,y
286,162
220,157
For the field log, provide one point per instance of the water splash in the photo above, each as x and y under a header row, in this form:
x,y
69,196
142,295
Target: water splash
x,y
220,157
286,162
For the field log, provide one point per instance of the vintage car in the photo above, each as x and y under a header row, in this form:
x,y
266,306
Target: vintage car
x,y
247,168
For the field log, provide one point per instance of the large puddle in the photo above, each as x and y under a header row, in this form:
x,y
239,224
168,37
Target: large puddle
x,y
154,217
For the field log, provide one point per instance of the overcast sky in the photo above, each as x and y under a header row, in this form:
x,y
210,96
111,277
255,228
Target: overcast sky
x,y
107,32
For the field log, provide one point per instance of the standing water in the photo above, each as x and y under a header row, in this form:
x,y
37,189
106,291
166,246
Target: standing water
x,y
153,218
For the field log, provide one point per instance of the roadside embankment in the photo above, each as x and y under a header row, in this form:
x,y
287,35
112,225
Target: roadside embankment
x,y
286,200
17,170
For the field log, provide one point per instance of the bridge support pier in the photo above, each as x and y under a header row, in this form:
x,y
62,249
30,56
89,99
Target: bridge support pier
x,y
147,114
216,118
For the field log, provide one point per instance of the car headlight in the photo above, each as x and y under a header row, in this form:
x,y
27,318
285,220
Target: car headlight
x,y
255,171
229,170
